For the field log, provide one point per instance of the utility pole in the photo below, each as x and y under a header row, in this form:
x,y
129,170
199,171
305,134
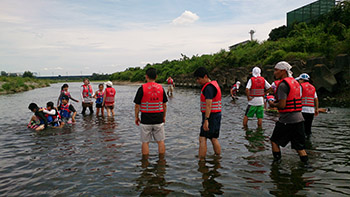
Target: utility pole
x,y
251,34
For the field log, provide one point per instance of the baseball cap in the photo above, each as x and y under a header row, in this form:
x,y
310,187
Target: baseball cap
x,y
303,76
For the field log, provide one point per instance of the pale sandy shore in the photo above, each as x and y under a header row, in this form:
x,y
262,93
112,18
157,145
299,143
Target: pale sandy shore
x,y
137,83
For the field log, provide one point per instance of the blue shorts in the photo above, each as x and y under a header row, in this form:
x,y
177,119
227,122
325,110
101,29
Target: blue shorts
x,y
214,126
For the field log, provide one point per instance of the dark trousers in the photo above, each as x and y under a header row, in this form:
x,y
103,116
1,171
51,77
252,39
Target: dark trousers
x,y
308,123
87,105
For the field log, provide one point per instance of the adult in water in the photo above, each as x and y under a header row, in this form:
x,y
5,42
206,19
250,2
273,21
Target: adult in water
x,y
151,100
38,119
210,106
290,126
86,96
309,102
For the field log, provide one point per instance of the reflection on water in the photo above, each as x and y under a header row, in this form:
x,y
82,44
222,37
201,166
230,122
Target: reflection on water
x,y
152,178
209,169
99,156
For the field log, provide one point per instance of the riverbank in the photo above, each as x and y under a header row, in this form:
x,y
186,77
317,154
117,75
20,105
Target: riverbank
x,y
10,85
136,83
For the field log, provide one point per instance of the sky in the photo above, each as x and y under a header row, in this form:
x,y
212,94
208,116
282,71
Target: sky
x,y
74,37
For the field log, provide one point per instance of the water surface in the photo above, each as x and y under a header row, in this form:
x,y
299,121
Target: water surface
x,y
102,156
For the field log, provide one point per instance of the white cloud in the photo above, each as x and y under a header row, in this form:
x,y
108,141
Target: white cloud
x,y
187,17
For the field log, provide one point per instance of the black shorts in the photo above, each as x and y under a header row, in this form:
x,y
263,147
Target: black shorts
x,y
98,105
109,107
214,126
285,133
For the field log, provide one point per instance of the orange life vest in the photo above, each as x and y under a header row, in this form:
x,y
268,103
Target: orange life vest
x,y
293,102
258,87
308,94
152,99
216,102
110,94
87,91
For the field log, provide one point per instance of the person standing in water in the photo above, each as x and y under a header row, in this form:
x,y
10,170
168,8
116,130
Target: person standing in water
x,y
309,102
210,106
255,91
290,126
151,100
108,99
86,96
99,95
65,92
171,85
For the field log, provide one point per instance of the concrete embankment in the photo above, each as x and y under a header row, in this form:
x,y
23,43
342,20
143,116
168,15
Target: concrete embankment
x,y
331,79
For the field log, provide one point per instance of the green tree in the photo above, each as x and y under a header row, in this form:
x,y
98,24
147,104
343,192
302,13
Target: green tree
x,y
28,74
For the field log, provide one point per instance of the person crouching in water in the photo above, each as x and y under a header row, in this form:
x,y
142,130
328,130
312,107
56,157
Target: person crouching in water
x,y
38,121
66,110
290,126
108,98
52,116
210,106
99,95
86,96
151,100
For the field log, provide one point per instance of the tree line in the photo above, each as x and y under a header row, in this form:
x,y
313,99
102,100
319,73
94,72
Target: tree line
x,y
327,36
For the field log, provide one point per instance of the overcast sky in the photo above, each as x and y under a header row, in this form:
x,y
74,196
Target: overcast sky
x,y
105,36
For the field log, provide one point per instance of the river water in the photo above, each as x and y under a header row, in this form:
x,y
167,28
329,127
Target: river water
x,y
102,156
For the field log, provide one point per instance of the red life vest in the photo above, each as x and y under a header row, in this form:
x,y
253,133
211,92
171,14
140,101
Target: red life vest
x,y
65,112
258,87
308,94
170,81
234,88
87,91
110,94
293,101
152,99
277,82
216,102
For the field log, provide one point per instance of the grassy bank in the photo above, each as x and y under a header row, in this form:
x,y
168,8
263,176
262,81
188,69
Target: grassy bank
x,y
10,85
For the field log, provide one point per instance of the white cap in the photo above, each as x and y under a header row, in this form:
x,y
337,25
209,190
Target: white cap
x,y
109,83
303,76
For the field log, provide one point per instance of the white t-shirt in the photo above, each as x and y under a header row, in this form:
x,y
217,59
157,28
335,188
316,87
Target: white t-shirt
x,y
308,109
257,101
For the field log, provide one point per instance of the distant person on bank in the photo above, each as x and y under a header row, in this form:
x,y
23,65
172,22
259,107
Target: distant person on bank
x,y
290,126
210,106
151,100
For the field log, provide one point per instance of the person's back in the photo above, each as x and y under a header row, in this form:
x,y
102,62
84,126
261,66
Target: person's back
x,y
151,100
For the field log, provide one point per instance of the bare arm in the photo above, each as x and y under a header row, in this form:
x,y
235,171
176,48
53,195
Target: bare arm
x,y
137,111
208,103
73,117
316,106
164,114
247,92
280,104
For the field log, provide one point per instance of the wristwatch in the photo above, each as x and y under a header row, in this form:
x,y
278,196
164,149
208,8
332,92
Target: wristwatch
x,y
206,118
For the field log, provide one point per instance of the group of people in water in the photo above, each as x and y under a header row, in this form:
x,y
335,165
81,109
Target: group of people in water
x,y
64,112
295,99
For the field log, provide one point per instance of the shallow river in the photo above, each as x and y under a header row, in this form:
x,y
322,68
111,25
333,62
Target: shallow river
x,y
102,157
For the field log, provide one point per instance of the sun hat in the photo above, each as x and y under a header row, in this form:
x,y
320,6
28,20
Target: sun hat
x,y
109,83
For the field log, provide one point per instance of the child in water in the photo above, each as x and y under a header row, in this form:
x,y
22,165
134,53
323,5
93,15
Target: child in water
x,y
66,109
38,121
108,98
52,116
64,91
99,94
